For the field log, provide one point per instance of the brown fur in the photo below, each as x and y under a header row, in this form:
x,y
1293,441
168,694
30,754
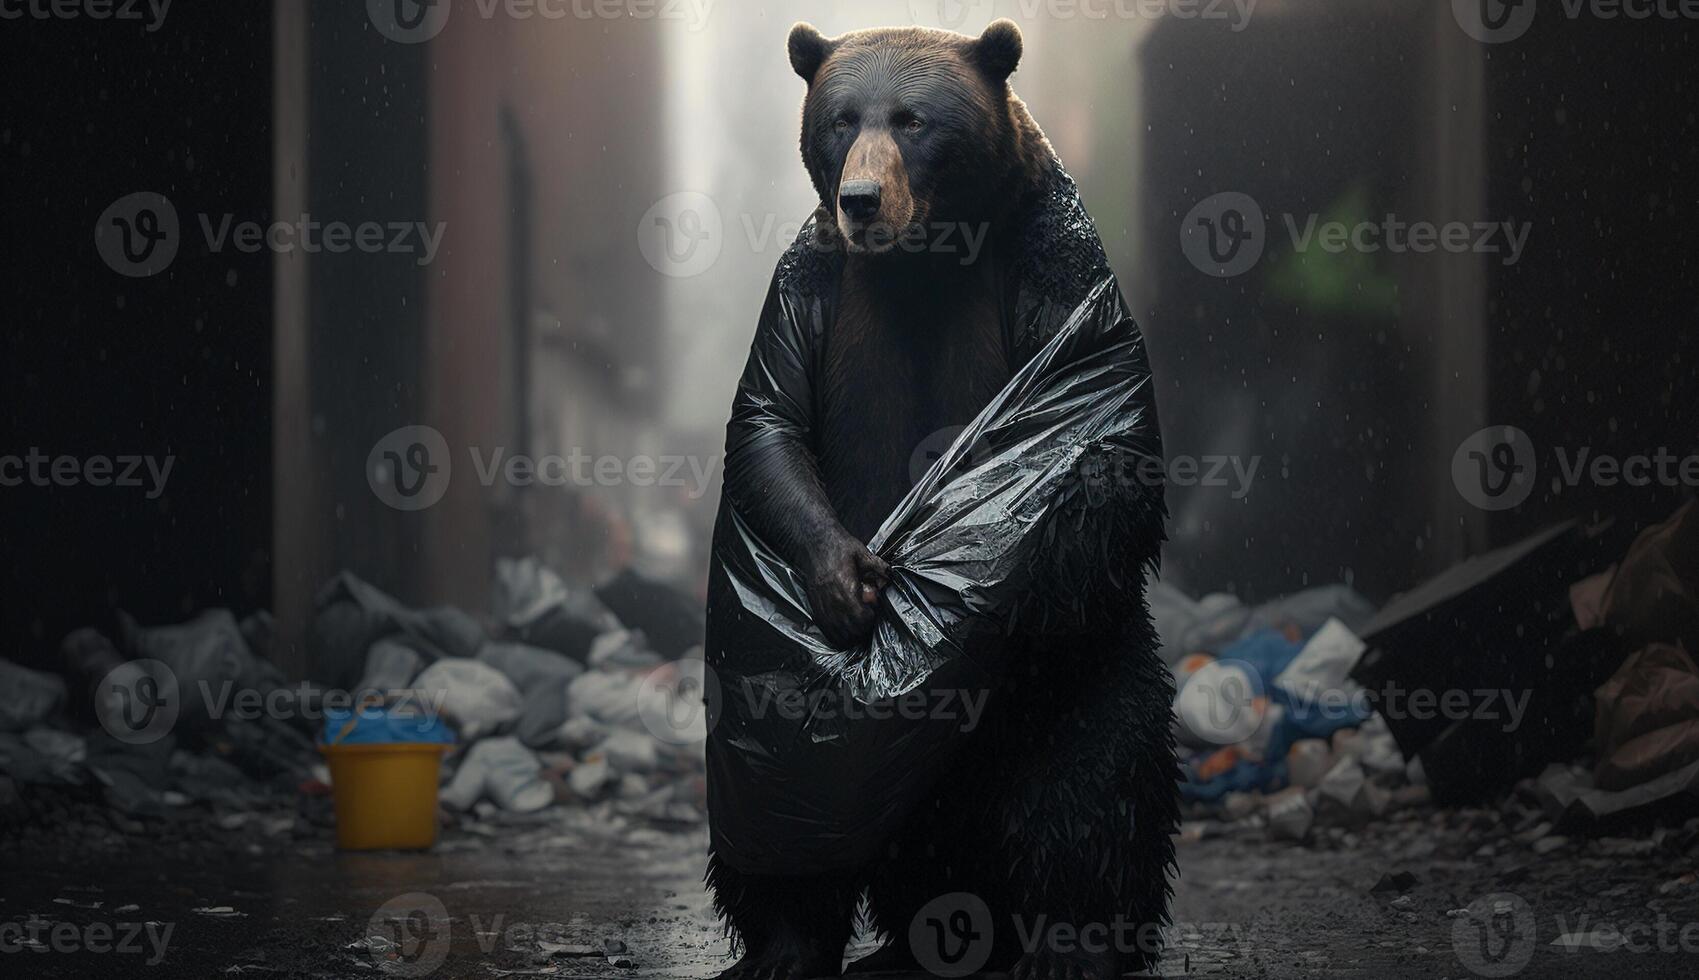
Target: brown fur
x,y
902,360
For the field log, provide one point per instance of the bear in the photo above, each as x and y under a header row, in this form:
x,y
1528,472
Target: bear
x,y
943,210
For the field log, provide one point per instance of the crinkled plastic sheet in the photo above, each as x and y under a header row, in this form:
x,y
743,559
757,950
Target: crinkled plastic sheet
x,y
957,543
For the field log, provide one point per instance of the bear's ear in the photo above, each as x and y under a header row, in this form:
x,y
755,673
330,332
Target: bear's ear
x,y
808,50
998,50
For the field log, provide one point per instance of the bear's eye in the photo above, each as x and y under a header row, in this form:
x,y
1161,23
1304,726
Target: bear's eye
x,y
914,125
842,125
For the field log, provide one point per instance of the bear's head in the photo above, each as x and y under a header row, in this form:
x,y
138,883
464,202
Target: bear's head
x,y
907,129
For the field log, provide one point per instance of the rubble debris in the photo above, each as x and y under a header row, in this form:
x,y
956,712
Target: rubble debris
x,y
1534,833
391,665
568,950
1317,677
529,667
622,648
27,697
502,771
89,655
1216,621
1240,714
1402,881
1290,816
590,777
349,615
471,694
61,752
1347,792
134,775
1647,718
546,720
1676,884
539,725
205,654
1308,761
537,608
672,621
1571,799
1507,623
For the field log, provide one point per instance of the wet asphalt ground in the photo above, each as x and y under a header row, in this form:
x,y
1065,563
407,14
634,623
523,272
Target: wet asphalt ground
x,y
573,893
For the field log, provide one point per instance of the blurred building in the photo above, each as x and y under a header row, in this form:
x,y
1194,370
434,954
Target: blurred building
x,y
535,144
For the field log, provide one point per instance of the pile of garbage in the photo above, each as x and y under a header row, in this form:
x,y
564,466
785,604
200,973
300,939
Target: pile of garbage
x,y
552,697
1556,669
1269,725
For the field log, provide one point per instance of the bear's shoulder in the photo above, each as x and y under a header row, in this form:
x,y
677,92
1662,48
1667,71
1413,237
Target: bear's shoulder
x,y
1057,259
807,270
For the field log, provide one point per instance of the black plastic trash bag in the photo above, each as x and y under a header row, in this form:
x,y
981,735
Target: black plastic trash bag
x,y
816,754
350,614
27,697
538,609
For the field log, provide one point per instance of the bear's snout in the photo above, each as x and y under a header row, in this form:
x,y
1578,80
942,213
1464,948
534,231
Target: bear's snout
x,y
875,207
859,200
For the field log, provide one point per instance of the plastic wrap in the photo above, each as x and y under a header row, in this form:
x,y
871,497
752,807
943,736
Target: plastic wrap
x,y
958,542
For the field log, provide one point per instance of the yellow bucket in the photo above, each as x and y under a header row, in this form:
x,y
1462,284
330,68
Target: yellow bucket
x,y
385,794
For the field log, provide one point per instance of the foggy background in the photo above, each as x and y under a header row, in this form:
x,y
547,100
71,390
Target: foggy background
x,y
612,195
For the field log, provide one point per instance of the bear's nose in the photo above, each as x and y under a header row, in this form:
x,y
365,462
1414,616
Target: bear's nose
x,y
859,199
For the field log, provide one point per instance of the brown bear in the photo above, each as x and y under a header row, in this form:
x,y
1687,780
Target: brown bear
x,y
949,246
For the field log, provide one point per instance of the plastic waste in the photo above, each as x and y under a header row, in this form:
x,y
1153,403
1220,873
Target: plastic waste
x,y
529,667
505,772
473,696
391,665
622,648
670,619
208,657
380,724
27,696
89,655
1319,696
350,614
1646,720
537,607
609,697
